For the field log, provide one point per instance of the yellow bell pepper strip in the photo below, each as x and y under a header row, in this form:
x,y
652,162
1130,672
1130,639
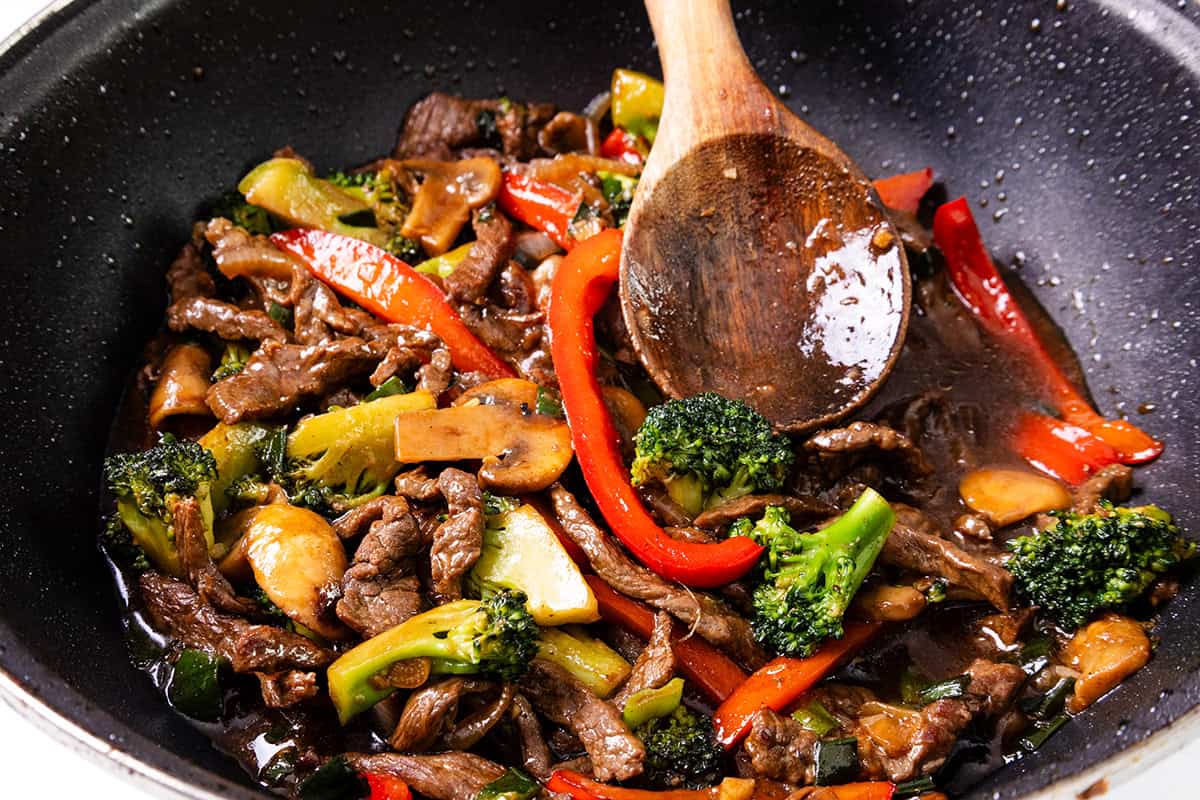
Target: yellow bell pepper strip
x,y
781,682
580,287
391,289
637,103
982,290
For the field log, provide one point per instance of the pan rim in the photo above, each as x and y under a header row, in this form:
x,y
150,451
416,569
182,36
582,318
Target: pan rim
x,y
90,732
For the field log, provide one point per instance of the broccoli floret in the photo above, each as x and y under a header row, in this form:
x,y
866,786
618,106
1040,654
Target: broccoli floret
x,y
681,750
234,208
1089,562
344,457
379,190
233,361
117,542
496,637
808,579
148,484
708,449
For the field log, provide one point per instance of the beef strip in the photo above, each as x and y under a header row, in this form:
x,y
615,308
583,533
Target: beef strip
x,y
458,541
438,776
518,125
403,349
707,616
835,447
225,320
187,524
665,510
279,376
284,689
1113,483
381,588
779,748
317,314
440,124
430,712
414,484
188,277
802,509
494,246
174,608
535,753
615,752
655,665
272,272
915,545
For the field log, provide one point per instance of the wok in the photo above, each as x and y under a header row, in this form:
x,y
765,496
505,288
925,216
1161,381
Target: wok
x,y
1080,127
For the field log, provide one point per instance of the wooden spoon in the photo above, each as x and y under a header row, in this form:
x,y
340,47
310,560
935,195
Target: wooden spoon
x,y
758,261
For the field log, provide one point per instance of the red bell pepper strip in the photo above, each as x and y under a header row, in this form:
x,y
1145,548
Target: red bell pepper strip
x,y
621,145
904,192
782,681
866,790
391,289
710,670
387,787
580,287
1060,449
980,287
540,205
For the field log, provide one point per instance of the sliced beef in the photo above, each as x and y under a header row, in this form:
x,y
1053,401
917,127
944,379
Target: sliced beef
x,y
238,252
357,521
381,588
188,277
615,752
656,499
187,524
707,616
512,334
470,729
458,541
780,748
914,545
438,776
414,484
430,712
535,753
225,320
802,509
174,608
285,689
440,124
836,447
655,665
494,246
1113,483
279,376
403,349
317,314
519,124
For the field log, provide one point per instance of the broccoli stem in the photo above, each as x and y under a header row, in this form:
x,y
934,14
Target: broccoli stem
x,y
427,635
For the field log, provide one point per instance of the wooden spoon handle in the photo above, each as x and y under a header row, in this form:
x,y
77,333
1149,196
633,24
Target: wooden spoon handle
x,y
712,89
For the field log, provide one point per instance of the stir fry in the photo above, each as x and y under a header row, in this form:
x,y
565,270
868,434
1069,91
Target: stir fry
x,y
402,513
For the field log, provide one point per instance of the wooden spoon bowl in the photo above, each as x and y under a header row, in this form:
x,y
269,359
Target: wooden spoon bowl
x,y
758,262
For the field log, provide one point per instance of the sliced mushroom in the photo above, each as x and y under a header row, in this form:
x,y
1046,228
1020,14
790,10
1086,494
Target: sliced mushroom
x,y
298,561
496,423
1105,653
182,385
447,195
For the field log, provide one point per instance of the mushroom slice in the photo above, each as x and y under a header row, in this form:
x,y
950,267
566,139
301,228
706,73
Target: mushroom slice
x,y
298,561
521,450
446,197
182,385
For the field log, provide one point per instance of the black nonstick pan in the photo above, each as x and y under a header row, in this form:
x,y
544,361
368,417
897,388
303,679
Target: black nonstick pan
x,y
1074,127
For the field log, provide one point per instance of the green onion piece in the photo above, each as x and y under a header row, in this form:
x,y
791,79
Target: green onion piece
x,y
648,704
195,690
1042,732
816,718
936,593
1035,655
547,404
837,761
273,452
914,787
335,780
912,683
512,785
954,687
281,314
1051,703
391,386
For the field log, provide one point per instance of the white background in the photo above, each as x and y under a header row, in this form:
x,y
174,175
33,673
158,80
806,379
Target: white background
x,y
40,767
